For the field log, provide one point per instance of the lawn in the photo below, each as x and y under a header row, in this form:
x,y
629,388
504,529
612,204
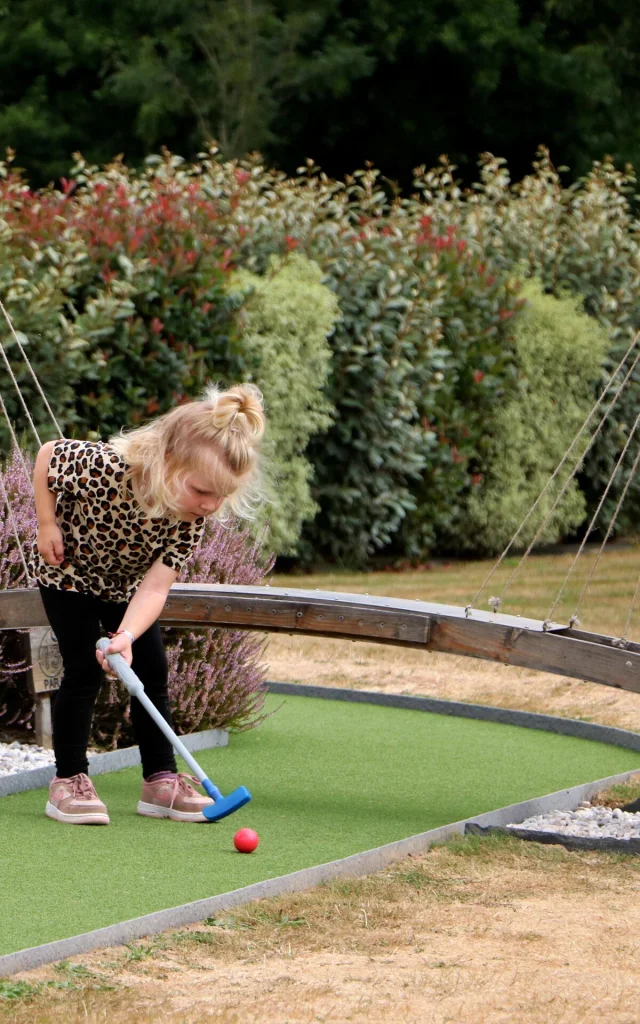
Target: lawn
x,y
329,779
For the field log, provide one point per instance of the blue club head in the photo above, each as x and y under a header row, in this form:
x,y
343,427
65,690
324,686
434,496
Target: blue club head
x,y
226,805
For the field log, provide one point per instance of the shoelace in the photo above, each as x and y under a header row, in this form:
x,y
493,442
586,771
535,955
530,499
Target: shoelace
x,y
182,782
81,785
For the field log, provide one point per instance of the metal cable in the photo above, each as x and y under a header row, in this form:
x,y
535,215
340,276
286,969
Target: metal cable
x,y
33,374
496,601
15,439
574,618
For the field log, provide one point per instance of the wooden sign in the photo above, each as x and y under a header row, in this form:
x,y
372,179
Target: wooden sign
x,y
46,660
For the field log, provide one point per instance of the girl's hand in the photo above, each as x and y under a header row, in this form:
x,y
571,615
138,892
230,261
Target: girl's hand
x,y
51,543
120,644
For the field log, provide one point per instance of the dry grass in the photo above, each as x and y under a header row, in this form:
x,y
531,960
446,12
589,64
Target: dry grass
x,y
367,666
489,930
483,930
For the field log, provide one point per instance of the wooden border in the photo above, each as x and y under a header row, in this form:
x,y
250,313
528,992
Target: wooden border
x,y
508,639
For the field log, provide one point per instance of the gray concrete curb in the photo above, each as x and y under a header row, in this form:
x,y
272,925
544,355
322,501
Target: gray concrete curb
x,y
359,864
112,761
481,712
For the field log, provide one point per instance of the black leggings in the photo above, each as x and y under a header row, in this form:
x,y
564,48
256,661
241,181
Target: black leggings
x,y
76,619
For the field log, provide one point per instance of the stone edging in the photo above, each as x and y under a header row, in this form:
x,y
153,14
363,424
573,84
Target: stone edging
x,y
358,864
111,761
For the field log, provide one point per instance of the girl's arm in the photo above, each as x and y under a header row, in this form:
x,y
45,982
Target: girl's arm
x,y
50,542
144,608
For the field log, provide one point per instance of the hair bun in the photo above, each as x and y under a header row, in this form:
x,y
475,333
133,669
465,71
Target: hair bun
x,y
241,400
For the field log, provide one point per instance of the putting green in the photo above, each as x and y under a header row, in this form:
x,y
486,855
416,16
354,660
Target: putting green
x,y
328,779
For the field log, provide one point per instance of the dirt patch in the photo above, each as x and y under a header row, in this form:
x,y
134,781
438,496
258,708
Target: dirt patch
x,y
620,795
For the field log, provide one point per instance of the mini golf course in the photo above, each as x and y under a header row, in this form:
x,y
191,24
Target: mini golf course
x,y
329,779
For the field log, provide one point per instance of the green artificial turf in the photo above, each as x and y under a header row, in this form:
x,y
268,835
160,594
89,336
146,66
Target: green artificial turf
x,y
328,779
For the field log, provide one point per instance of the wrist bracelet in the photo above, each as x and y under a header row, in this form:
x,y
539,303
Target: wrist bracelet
x,y
127,631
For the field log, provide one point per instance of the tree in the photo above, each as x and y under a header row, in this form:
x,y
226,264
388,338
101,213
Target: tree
x,y
476,75
50,61
395,81
227,66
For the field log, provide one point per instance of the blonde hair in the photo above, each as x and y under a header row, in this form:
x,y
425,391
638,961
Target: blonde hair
x,y
218,435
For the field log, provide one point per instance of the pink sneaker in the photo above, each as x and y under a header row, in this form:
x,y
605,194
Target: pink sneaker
x,y
75,802
173,797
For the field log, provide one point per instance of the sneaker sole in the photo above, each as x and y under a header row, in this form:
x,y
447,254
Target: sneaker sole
x,y
76,819
157,811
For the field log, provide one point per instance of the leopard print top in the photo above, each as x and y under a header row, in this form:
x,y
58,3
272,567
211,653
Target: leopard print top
x,y
109,541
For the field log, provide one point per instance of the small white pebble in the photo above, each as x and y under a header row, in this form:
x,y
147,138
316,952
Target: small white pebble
x,y
592,822
20,757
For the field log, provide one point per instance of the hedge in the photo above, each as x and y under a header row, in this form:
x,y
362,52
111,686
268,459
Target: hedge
x,y
423,349
285,319
559,352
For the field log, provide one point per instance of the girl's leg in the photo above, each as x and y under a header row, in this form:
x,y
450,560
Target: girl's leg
x,y
150,665
74,620
165,794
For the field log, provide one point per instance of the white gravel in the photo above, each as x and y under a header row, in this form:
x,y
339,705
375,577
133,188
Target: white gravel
x,y
587,821
22,757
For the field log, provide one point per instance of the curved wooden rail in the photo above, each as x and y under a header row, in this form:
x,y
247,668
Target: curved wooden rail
x,y
509,639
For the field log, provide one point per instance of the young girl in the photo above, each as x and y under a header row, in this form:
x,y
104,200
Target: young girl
x,y
117,521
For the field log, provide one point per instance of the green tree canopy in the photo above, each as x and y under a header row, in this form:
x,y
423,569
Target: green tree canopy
x,y
395,81
227,67
475,75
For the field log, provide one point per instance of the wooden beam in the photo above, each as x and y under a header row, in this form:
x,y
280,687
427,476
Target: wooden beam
x,y
508,639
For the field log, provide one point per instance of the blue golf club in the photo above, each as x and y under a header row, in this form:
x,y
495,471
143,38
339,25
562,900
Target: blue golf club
x,y
223,805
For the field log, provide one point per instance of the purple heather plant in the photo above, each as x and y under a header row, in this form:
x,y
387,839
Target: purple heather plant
x,y
216,679
16,493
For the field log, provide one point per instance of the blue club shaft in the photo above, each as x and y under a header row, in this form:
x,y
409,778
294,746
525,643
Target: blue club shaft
x,y
226,805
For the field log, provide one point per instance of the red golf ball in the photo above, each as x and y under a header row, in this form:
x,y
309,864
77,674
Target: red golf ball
x,y
245,840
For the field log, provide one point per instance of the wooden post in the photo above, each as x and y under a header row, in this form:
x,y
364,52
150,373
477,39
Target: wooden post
x,y
45,675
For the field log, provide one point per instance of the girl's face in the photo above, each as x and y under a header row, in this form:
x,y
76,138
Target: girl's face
x,y
198,499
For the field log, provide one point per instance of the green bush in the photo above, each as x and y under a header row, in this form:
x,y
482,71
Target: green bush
x,y
595,252
416,306
584,237
475,362
138,310
421,353
366,463
559,352
122,299
285,319
421,350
